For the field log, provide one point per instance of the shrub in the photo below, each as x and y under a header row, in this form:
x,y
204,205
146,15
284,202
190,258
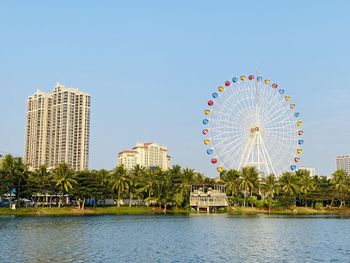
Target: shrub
x,y
318,206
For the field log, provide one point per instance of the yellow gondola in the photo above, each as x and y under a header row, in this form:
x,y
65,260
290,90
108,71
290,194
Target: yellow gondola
x,y
267,81
243,78
206,141
220,88
207,112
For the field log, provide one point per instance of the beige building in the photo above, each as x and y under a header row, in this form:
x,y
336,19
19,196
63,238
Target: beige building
x,y
57,128
343,163
145,154
312,171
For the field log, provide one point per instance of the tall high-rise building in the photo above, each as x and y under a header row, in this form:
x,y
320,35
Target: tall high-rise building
x,y
146,155
57,128
343,163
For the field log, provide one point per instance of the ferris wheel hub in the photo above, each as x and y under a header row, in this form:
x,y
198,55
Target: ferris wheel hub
x,y
254,130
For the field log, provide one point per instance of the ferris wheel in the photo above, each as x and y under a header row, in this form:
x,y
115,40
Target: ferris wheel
x,y
250,121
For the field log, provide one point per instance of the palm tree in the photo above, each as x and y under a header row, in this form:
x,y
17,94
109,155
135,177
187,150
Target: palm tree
x,y
231,181
289,183
63,176
307,183
148,182
120,182
341,184
248,181
269,188
187,178
166,189
135,178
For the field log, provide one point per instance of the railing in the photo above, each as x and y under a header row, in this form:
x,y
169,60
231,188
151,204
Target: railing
x,y
206,201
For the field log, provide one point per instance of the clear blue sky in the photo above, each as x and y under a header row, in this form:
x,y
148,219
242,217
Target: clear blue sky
x,y
151,65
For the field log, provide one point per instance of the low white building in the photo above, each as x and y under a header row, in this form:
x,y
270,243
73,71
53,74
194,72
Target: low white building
x,y
146,155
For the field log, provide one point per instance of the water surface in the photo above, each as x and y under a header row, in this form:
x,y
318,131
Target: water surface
x,y
175,238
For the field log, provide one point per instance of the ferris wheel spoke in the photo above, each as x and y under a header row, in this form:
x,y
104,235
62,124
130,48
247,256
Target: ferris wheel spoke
x,y
220,128
275,117
227,150
224,143
276,104
281,125
223,146
227,135
269,100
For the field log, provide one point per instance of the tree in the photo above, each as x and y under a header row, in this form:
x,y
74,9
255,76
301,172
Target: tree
x,y
5,182
341,185
103,178
187,177
87,187
40,183
120,182
166,188
289,183
148,184
16,172
63,176
231,181
269,188
248,181
306,182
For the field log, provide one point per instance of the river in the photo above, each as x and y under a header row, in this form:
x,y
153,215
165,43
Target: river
x,y
175,238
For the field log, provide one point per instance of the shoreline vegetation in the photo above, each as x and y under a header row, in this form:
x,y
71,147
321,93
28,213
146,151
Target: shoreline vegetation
x,y
144,210
61,190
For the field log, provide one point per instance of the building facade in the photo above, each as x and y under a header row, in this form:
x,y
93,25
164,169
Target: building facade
x,y
343,163
57,128
146,155
312,171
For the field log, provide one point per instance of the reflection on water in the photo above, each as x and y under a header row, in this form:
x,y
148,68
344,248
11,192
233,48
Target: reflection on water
x,y
169,238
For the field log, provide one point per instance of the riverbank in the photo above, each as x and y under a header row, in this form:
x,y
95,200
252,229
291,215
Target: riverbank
x,y
72,211
142,210
292,211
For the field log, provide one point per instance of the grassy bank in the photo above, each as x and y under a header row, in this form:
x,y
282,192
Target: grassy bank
x,y
292,211
70,211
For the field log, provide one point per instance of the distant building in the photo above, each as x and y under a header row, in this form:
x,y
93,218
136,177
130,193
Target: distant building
x,y
146,155
312,171
57,128
343,163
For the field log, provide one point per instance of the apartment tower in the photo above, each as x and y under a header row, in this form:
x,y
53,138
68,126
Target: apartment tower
x,y
343,163
57,128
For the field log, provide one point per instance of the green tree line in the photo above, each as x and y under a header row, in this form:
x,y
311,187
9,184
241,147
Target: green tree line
x,y
170,188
